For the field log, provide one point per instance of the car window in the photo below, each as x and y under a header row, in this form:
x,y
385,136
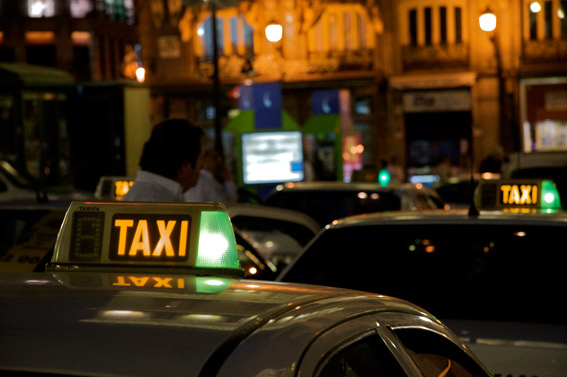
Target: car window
x,y
277,240
452,270
326,206
436,356
26,237
366,358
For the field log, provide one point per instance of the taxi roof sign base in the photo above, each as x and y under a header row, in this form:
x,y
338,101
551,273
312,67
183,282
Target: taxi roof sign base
x,y
193,271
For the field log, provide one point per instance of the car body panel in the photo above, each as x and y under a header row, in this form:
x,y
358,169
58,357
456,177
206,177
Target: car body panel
x,y
97,323
530,341
328,201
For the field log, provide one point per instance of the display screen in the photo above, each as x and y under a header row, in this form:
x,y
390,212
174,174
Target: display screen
x,y
272,157
149,237
86,241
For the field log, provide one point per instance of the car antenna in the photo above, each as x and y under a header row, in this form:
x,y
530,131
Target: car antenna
x,y
473,211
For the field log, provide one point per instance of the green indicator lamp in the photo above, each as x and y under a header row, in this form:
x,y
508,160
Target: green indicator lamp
x,y
384,177
550,196
217,244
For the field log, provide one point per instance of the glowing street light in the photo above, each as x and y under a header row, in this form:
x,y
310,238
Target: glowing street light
x,y
274,32
535,7
487,20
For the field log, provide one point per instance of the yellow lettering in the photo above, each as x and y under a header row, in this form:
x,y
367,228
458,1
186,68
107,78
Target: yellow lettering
x,y
505,193
164,241
162,282
139,282
525,199
123,225
180,283
534,194
121,282
514,197
183,238
141,240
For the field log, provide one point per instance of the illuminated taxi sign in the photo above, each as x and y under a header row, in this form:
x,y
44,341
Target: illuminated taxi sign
x,y
190,235
517,194
149,237
113,188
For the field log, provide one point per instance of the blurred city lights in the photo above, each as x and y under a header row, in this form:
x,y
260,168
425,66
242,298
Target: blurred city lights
x,y
140,74
535,7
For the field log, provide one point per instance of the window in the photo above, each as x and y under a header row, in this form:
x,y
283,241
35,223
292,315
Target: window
x,y
443,21
494,264
41,8
413,27
239,40
533,24
366,358
562,13
458,25
436,356
341,27
428,30
548,14
81,8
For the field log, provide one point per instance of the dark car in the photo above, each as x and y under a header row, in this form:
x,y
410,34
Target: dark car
x,y
328,201
496,277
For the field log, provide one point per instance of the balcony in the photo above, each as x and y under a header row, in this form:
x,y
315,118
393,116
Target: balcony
x,y
545,51
435,57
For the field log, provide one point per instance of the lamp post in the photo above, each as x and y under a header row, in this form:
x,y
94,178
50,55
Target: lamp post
x,y
216,82
488,22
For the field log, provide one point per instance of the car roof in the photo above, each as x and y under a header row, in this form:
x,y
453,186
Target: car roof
x,y
452,216
128,324
347,186
262,211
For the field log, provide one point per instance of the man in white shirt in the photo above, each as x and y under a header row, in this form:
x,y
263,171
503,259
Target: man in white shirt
x,y
170,163
214,183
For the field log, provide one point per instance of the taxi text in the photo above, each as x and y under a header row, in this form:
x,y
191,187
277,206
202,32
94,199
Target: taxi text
x,y
149,237
519,194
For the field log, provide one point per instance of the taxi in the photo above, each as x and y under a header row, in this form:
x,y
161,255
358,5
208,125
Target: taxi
x,y
494,274
146,289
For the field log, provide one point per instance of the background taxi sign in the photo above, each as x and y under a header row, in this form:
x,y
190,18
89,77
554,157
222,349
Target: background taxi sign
x,y
517,194
128,235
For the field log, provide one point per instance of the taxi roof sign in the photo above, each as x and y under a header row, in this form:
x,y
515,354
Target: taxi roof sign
x,y
170,236
517,194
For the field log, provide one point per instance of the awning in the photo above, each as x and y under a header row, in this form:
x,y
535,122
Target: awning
x,y
33,75
324,123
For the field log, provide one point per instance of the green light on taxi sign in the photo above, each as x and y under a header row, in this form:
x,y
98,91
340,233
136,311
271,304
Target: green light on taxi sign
x,y
217,245
549,196
384,177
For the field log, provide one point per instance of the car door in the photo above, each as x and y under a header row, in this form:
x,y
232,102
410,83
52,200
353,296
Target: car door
x,y
388,344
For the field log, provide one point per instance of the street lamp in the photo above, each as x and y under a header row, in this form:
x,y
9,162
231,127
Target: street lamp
x,y
487,22
274,32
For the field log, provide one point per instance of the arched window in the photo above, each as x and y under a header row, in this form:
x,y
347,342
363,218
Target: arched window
x,y
342,27
234,35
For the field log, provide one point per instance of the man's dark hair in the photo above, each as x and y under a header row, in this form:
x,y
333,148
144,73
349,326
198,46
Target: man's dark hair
x,y
171,143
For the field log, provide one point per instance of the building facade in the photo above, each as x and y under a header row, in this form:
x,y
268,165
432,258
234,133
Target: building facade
x,y
426,82
59,124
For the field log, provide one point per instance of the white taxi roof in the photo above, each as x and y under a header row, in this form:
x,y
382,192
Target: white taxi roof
x,y
94,323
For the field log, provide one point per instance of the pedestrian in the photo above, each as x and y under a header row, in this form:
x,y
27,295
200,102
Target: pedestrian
x,y
170,163
215,183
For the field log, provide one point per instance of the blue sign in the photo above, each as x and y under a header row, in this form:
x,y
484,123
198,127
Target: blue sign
x,y
325,102
246,101
267,105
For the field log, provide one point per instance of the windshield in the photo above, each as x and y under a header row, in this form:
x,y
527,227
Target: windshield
x,y
506,272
